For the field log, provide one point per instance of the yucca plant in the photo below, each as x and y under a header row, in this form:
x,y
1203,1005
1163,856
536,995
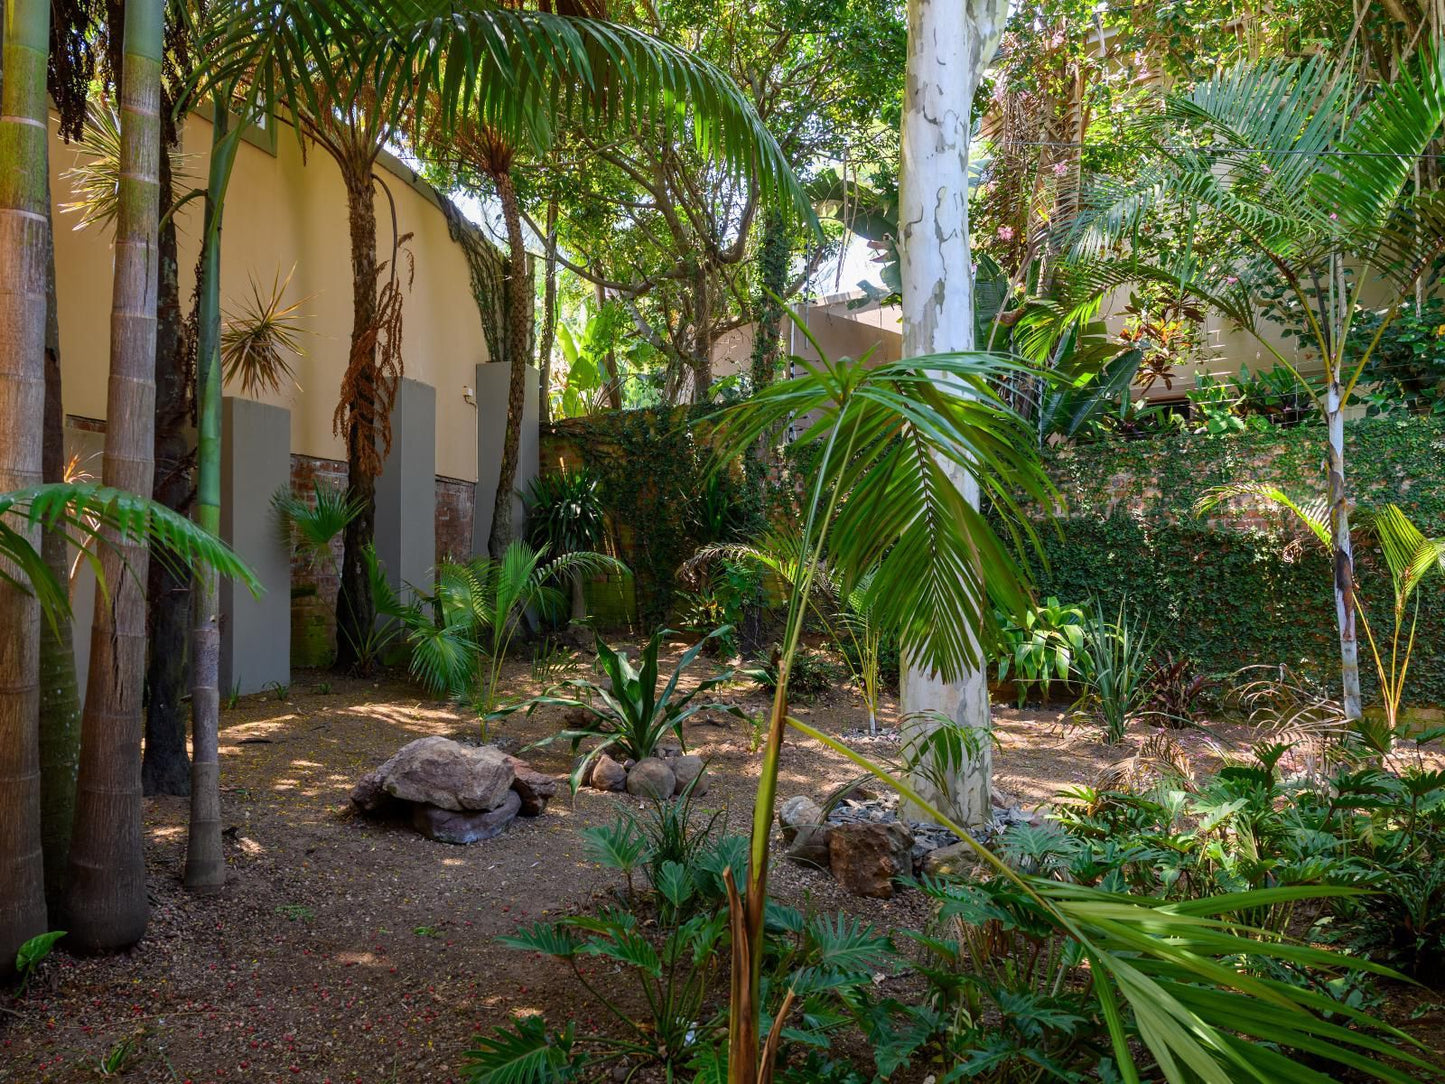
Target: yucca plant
x,y
261,339
634,711
881,498
1113,669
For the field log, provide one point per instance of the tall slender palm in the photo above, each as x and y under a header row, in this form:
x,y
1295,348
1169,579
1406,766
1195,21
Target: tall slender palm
x,y
106,905
24,245
1309,181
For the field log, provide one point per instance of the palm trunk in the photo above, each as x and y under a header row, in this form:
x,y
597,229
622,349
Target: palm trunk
x,y
59,690
549,317
106,904
165,766
609,361
355,608
24,243
519,333
205,869
946,57
1343,554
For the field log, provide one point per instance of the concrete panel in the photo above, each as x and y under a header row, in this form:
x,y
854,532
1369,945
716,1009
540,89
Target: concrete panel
x,y
406,497
492,383
255,463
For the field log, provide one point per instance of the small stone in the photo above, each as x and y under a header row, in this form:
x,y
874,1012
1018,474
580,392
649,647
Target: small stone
x,y
956,860
810,845
866,857
451,826
796,812
651,778
533,787
686,769
629,764
607,774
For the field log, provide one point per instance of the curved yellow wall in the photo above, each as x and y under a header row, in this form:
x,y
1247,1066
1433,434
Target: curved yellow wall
x,y
283,211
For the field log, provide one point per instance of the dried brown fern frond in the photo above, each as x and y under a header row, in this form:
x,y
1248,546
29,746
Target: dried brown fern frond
x,y
259,343
1158,760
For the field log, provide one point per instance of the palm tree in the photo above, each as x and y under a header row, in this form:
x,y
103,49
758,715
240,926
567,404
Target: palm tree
x,y
24,245
106,904
1308,181
352,74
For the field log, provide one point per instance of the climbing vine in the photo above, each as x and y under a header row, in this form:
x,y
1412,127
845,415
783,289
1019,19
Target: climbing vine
x,y
1248,588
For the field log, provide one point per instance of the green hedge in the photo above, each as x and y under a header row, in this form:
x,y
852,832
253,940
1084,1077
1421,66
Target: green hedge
x,y
1250,588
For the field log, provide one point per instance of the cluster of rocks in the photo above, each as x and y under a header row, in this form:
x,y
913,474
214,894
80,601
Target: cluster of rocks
x,y
454,793
664,776
866,845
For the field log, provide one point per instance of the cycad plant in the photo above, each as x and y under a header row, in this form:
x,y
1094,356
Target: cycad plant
x,y
459,633
1411,558
880,497
1307,182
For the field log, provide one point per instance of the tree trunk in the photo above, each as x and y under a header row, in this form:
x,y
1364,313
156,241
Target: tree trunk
x,y
519,333
1343,553
355,608
549,317
701,360
106,906
609,360
768,314
59,691
24,229
946,56
165,765
205,869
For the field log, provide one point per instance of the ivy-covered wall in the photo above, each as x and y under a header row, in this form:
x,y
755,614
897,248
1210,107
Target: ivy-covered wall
x,y
1247,585
662,499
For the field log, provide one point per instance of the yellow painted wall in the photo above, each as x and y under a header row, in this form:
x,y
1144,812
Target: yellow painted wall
x,y
282,212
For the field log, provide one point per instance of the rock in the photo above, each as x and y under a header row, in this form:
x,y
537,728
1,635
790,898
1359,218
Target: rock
x,y
686,769
796,812
607,774
369,795
651,778
451,826
955,860
440,772
865,858
533,787
668,752
810,845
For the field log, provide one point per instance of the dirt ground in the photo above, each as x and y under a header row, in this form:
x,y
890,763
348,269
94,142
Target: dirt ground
x,y
348,951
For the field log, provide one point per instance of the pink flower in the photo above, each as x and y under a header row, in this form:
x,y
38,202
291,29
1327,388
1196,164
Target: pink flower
x,y
1060,168
1333,216
1005,233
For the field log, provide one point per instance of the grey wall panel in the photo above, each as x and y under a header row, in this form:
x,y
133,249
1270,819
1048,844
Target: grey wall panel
x,y
255,463
406,491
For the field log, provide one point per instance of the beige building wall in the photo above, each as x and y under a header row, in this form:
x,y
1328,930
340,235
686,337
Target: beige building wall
x,y
286,210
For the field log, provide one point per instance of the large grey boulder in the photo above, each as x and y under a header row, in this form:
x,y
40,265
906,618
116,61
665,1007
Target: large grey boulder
x,y
466,826
810,845
687,768
439,772
607,774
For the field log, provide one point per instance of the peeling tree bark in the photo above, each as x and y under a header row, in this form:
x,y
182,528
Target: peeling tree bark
x,y
1342,554
948,49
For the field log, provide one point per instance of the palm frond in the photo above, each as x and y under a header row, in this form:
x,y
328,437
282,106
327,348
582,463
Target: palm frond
x,y
1314,514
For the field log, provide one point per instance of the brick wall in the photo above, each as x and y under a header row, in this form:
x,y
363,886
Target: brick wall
x,y
306,471
456,500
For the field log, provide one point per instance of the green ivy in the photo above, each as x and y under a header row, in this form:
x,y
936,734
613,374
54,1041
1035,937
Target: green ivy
x,y
1229,595
655,484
